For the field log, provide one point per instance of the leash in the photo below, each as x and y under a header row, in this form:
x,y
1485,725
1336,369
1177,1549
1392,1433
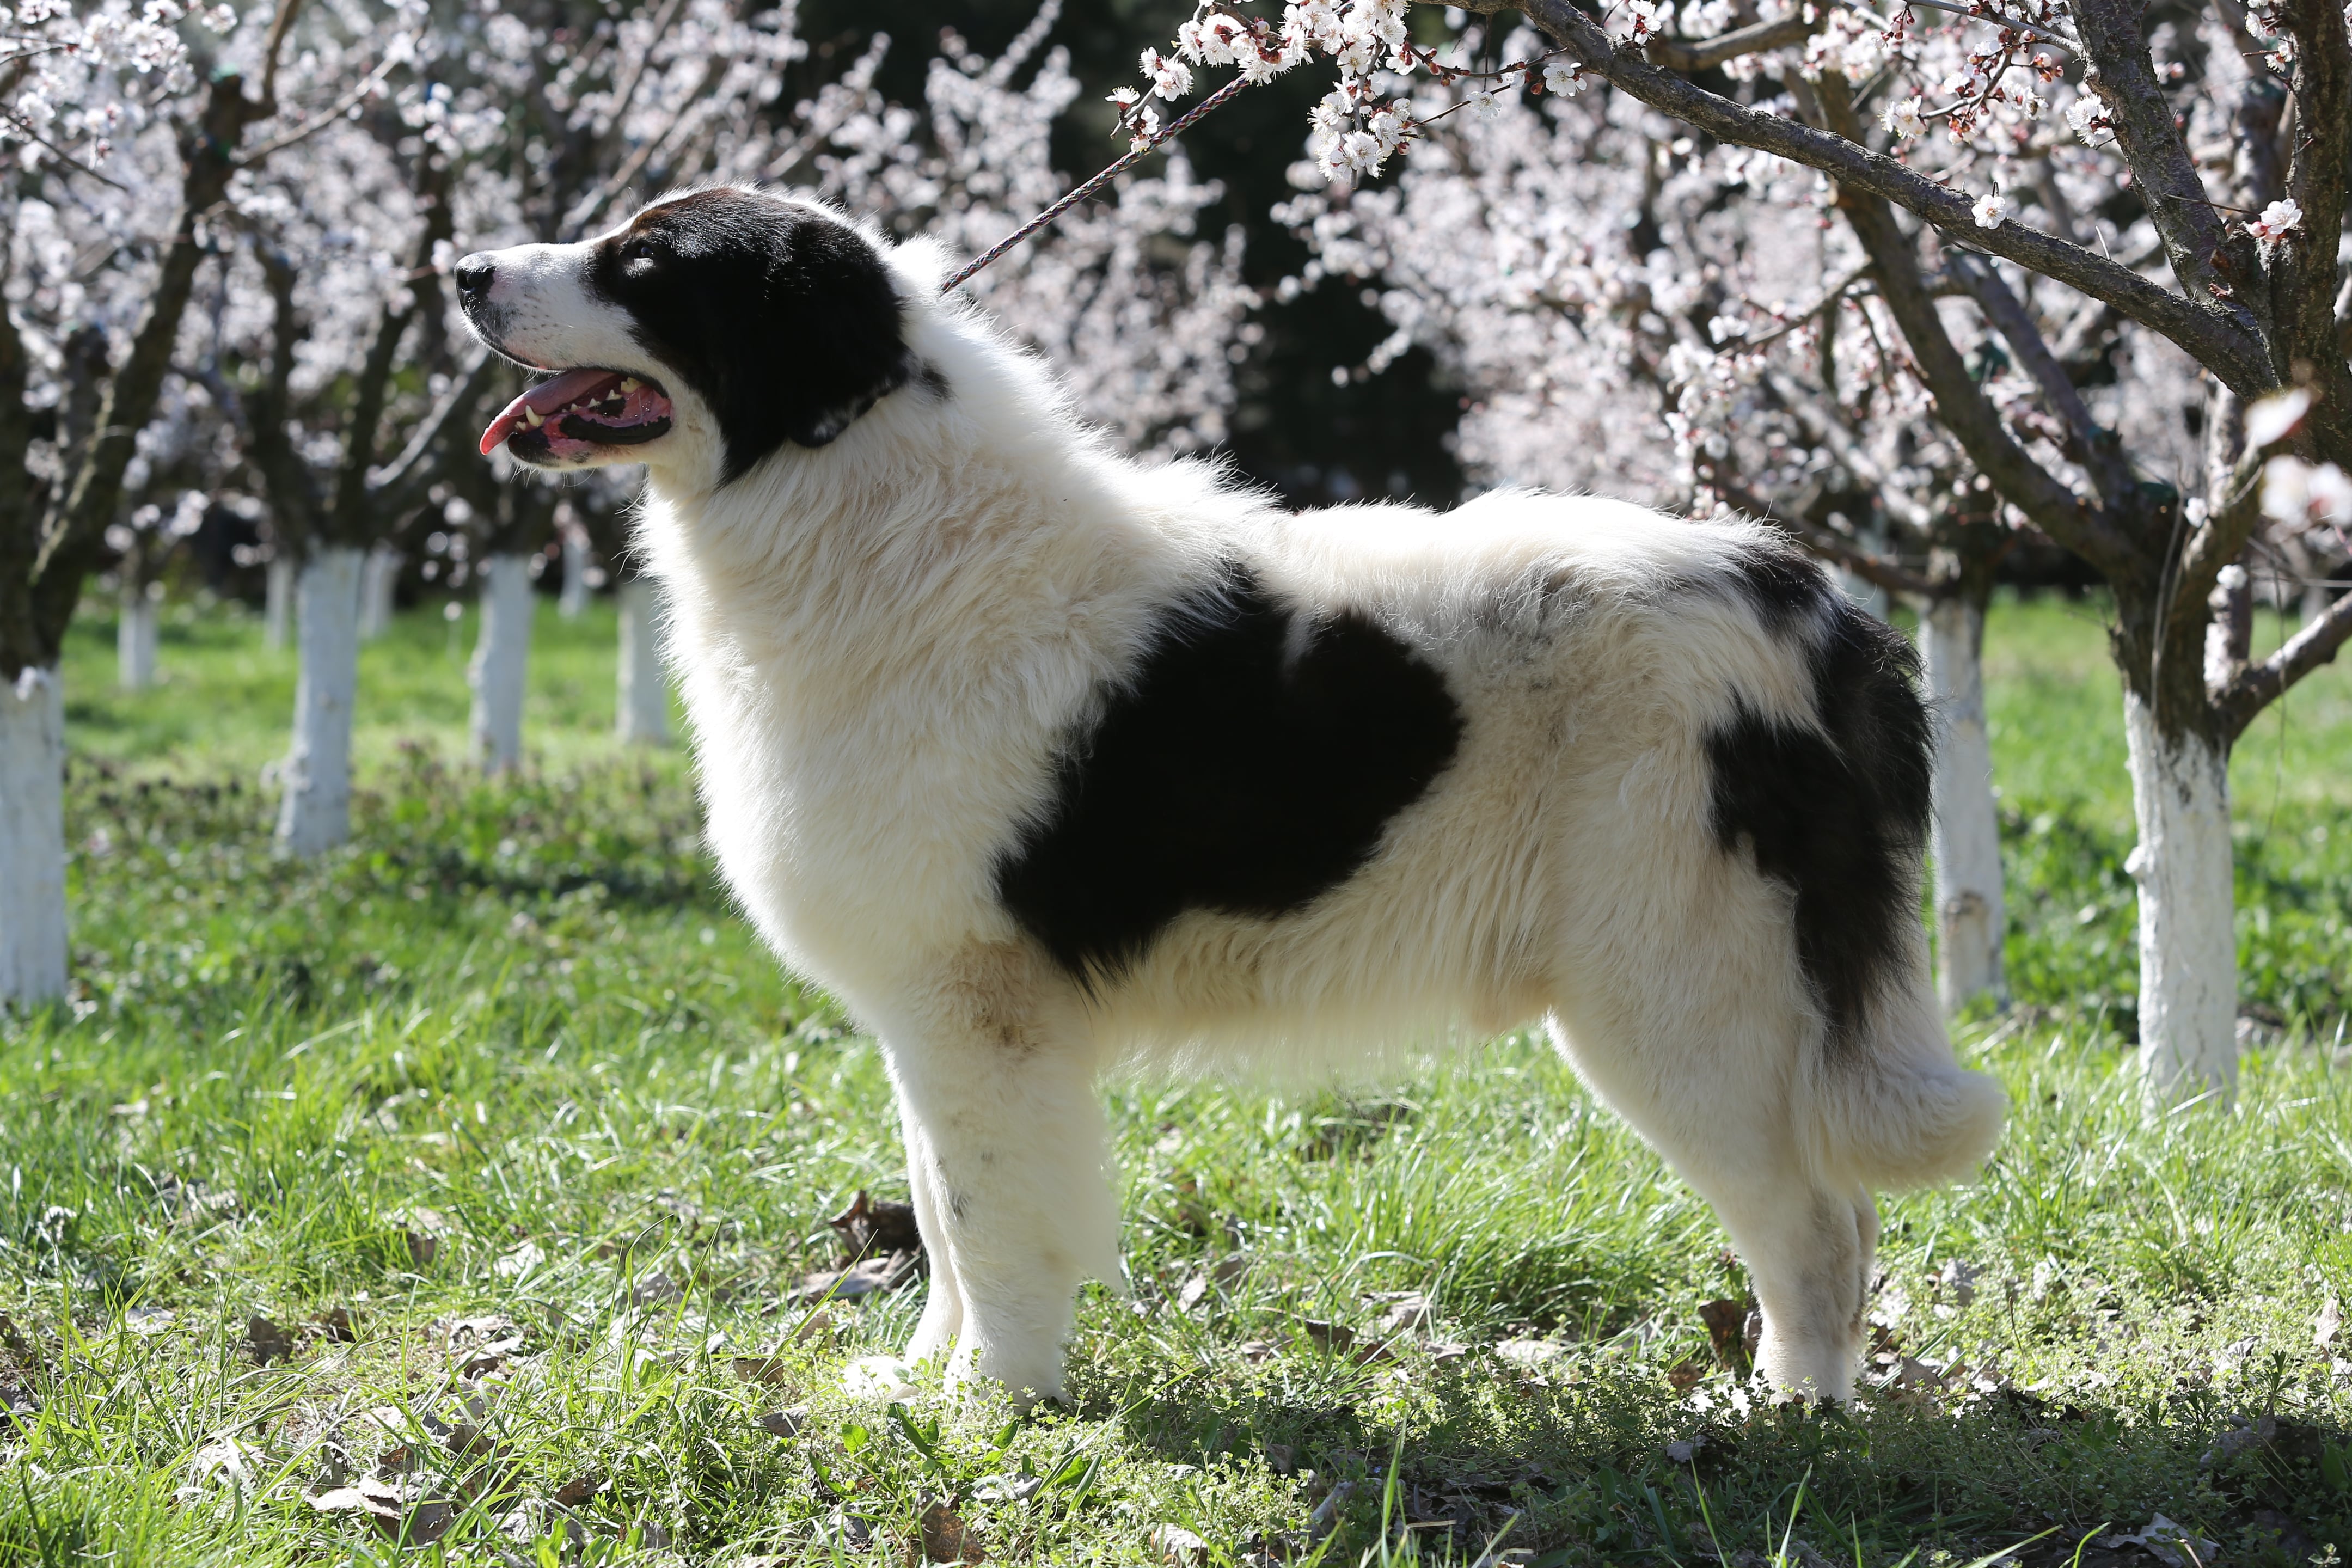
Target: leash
x,y
1097,184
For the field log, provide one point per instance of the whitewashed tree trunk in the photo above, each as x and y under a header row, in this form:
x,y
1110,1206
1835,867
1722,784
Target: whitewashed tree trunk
x,y
1970,917
501,662
645,686
134,636
2188,937
315,813
377,580
278,602
574,598
32,837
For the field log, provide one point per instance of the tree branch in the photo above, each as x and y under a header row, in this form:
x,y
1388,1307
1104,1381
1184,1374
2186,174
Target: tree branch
x,y
401,483
2259,685
2303,269
2092,447
2205,259
2222,340
1700,54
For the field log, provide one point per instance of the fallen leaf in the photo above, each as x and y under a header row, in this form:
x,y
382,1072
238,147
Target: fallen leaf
x,y
1007,1487
870,1277
222,1459
1686,1374
1408,1311
2323,1327
575,1492
149,1321
339,1323
1529,1354
268,1341
768,1370
1281,1458
518,1260
1337,1337
656,1287
1174,1544
946,1537
1726,1327
1960,1279
1257,1350
785,1423
388,1505
867,1229
423,1247
2168,1542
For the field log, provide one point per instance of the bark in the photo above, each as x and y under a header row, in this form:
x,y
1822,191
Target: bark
x,y
574,598
501,662
1969,918
134,639
644,689
377,580
315,813
32,837
278,602
2188,942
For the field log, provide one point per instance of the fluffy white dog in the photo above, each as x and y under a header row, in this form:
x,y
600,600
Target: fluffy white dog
x,y
1045,762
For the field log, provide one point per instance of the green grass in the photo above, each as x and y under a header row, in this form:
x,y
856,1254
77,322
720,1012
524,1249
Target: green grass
x,y
527,1008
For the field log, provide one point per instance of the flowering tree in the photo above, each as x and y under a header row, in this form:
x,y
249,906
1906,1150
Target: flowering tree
x,y
115,145
1932,154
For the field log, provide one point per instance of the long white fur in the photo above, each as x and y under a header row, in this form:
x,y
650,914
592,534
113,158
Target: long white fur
x,y
883,640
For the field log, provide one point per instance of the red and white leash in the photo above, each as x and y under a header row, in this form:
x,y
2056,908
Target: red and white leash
x,y
1097,184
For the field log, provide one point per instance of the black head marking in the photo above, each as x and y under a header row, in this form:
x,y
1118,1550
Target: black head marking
x,y
1250,763
1837,814
781,318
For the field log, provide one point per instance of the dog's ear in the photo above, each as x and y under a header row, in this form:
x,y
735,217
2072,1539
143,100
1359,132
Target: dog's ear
x,y
834,326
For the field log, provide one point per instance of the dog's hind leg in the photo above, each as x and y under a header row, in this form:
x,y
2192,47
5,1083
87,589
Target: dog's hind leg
x,y
942,1320
1721,1112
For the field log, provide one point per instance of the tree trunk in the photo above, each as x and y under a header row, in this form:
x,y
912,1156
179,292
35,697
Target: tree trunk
x,y
574,598
2187,940
134,638
1969,918
278,602
501,661
32,837
377,581
644,689
315,813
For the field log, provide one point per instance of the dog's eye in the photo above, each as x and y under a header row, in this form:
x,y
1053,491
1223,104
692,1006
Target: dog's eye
x,y
639,250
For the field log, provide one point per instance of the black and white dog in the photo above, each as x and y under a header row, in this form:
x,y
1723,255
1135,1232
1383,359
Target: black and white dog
x,y
1046,764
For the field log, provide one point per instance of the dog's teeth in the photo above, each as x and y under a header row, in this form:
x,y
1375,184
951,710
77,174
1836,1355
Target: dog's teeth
x,y
630,383
530,417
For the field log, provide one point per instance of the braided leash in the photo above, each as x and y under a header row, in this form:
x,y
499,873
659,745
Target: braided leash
x,y
1097,184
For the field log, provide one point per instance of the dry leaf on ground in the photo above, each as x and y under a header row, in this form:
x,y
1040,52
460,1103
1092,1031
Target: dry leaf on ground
x,y
267,1341
393,1509
575,1492
1174,1544
146,1320
2323,1326
871,1278
785,1423
946,1537
869,1228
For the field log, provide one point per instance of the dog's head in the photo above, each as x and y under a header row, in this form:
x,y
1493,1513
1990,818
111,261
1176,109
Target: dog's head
x,y
724,321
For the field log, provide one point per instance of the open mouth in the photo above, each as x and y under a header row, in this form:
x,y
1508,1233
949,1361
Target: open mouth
x,y
577,413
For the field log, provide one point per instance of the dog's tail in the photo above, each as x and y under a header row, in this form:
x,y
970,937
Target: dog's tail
x,y
1905,1114
1838,812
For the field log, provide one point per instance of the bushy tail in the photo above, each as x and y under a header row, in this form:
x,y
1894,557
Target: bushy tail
x,y
1901,1112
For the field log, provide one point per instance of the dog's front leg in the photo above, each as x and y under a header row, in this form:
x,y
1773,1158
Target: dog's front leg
x,y
1005,1149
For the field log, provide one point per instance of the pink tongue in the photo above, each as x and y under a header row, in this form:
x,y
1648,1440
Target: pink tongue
x,y
545,399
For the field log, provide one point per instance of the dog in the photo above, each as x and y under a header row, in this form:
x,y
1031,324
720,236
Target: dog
x,y
1047,763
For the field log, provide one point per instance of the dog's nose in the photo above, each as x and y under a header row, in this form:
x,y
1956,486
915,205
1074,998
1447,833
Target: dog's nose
x,y
474,274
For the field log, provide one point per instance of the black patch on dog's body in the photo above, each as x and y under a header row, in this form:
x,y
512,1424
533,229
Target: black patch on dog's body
x,y
1837,814
782,318
1247,765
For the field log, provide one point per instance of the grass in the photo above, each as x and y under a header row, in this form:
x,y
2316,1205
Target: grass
x,y
464,1181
